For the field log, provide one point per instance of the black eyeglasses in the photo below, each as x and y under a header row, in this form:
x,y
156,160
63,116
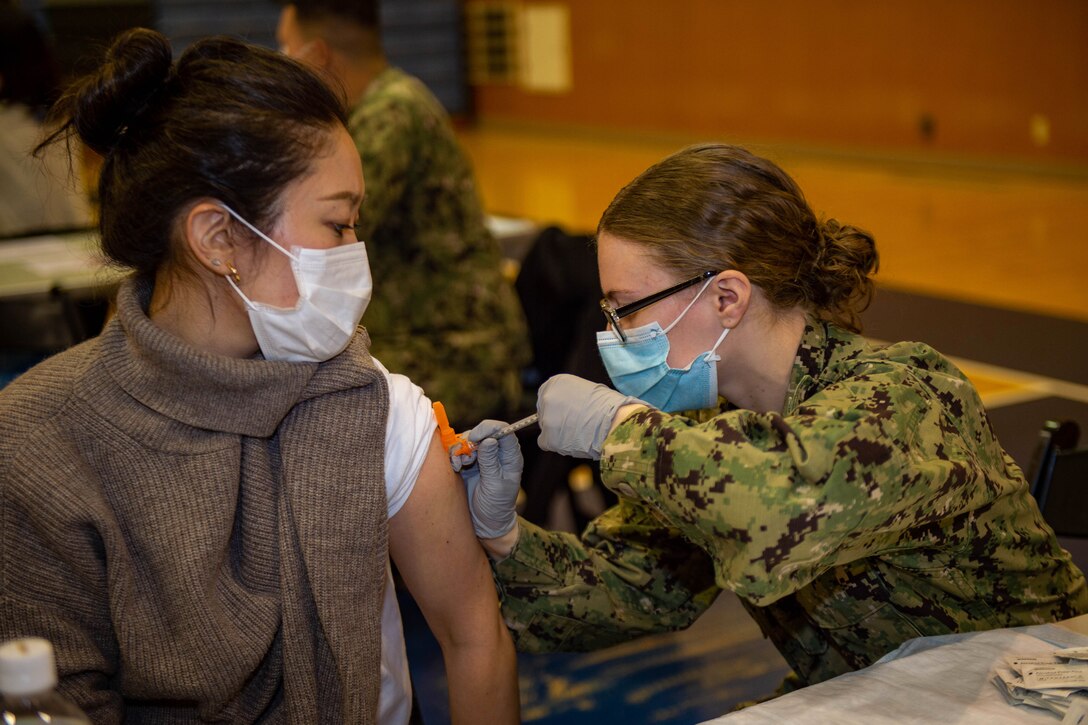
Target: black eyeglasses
x,y
615,314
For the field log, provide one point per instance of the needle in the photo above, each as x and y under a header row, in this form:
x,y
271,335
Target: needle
x,y
516,426
502,432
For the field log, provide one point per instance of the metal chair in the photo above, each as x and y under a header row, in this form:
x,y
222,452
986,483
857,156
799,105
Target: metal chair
x,y
35,326
1058,476
47,322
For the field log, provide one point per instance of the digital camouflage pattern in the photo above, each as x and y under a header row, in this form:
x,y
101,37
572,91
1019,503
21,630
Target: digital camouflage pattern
x,y
441,313
877,507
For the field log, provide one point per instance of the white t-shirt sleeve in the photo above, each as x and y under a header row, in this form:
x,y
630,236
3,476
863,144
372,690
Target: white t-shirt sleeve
x,y
408,431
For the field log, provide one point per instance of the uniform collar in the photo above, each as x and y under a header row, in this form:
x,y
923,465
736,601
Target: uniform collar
x,y
823,355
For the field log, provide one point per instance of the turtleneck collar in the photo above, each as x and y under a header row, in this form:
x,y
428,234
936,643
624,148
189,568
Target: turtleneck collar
x,y
247,397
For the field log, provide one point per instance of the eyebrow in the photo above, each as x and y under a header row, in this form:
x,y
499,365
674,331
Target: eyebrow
x,y
612,294
351,196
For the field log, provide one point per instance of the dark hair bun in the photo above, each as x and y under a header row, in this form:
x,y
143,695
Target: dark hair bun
x,y
841,274
112,101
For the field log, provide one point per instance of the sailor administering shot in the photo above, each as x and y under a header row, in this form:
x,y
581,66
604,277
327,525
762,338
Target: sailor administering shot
x,y
852,494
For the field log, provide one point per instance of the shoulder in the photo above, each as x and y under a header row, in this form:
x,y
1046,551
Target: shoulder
x,y
396,86
915,357
411,417
38,400
43,390
906,385
403,393
398,104
395,91
854,358
409,429
917,367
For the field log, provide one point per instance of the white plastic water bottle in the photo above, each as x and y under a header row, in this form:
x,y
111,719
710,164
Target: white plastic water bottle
x,y
28,681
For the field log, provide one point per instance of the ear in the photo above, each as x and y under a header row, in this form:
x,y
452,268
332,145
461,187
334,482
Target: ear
x,y
315,52
207,232
732,293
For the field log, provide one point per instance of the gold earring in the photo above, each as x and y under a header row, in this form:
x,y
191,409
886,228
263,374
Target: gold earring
x,y
234,273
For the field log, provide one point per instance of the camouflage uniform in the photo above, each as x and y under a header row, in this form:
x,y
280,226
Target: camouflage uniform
x,y
877,507
442,313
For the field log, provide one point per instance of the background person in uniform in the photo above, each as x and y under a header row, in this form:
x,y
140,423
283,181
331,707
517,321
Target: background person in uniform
x,y
35,195
442,312
200,504
853,495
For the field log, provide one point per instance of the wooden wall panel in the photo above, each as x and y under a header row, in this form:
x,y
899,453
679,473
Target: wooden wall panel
x,y
829,72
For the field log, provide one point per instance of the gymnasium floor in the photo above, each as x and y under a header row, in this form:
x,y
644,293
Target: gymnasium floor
x,y
985,262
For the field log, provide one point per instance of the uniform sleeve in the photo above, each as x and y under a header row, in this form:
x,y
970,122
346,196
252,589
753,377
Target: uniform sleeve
x,y
778,500
628,575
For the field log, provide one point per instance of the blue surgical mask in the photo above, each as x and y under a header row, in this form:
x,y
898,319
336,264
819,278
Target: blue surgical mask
x,y
639,368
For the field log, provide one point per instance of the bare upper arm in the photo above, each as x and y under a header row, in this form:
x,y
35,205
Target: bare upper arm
x,y
435,549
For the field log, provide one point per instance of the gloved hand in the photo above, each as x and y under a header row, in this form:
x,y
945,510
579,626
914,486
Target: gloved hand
x,y
493,483
576,415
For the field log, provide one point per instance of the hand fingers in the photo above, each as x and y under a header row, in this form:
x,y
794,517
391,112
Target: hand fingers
x,y
558,400
510,455
552,421
459,461
544,411
487,456
552,386
471,478
487,450
485,429
508,445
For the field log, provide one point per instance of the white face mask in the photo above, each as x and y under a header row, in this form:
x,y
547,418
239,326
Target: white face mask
x,y
334,287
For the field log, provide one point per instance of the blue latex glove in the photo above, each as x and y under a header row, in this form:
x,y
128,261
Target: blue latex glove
x,y
576,415
494,481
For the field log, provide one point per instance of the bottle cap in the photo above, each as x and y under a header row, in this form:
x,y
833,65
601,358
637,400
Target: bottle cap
x,y
27,667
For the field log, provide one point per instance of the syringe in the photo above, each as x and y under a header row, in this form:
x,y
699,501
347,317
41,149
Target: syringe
x,y
451,438
502,432
516,426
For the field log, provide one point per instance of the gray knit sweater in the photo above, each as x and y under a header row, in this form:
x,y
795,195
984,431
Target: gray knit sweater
x,y
202,538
